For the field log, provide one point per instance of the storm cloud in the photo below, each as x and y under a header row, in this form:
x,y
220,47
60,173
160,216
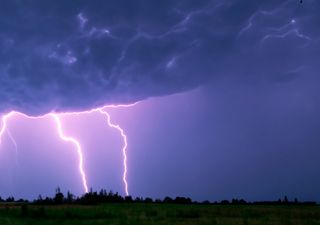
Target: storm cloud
x,y
76,55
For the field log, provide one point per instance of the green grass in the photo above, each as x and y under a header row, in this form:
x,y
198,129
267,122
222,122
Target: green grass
x,y
137,213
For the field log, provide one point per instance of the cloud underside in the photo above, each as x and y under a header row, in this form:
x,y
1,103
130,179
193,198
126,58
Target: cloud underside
x,y
73,56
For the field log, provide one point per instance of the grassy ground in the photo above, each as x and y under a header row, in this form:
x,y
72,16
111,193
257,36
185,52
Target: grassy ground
x,y
136,213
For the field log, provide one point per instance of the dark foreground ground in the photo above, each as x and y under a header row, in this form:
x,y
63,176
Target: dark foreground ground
x,y
140,213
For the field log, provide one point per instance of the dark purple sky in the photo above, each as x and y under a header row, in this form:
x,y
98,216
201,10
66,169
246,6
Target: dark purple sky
x,y
228,97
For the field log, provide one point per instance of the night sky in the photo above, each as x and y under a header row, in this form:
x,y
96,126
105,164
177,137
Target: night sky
x,y
227,95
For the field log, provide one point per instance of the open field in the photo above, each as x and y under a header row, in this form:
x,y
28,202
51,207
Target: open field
x,y
141,213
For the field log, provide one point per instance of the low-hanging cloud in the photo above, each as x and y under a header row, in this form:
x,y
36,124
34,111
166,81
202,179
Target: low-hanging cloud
x,y
76,55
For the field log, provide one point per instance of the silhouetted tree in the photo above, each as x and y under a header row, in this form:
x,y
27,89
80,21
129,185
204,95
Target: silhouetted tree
x,y
69,197
138,199
40,198
285,200
224,202
238,202
182,200
10,199
59,197
167,200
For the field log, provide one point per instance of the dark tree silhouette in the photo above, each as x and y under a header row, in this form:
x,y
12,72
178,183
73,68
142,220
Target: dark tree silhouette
x,y
59,197
70,197
93,198
285,200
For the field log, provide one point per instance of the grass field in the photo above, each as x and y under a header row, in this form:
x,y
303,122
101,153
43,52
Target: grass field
x,y
138,213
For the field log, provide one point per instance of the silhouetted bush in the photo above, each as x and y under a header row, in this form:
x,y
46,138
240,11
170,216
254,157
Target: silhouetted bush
x,y
182,200
138,199
167,200
22,200
128,199
148,200
206,202
238,202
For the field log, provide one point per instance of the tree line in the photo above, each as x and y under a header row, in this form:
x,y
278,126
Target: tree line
x,y
104,196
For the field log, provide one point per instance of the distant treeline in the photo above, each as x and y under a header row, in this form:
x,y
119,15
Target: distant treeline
x,y
103,196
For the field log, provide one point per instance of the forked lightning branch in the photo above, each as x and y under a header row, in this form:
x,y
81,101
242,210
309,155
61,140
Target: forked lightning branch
x,y
75,142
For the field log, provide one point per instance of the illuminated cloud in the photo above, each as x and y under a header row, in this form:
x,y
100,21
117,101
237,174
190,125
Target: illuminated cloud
x,y
66,56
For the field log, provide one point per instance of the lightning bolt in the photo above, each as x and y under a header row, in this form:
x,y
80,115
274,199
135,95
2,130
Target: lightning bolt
x,y
15,145
4,128
4,124
124,148
76,143
78,146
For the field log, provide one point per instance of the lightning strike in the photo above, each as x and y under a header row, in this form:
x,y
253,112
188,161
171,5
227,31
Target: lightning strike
x,y
4,124
124,148
4,128
72,140
77,144
14,144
